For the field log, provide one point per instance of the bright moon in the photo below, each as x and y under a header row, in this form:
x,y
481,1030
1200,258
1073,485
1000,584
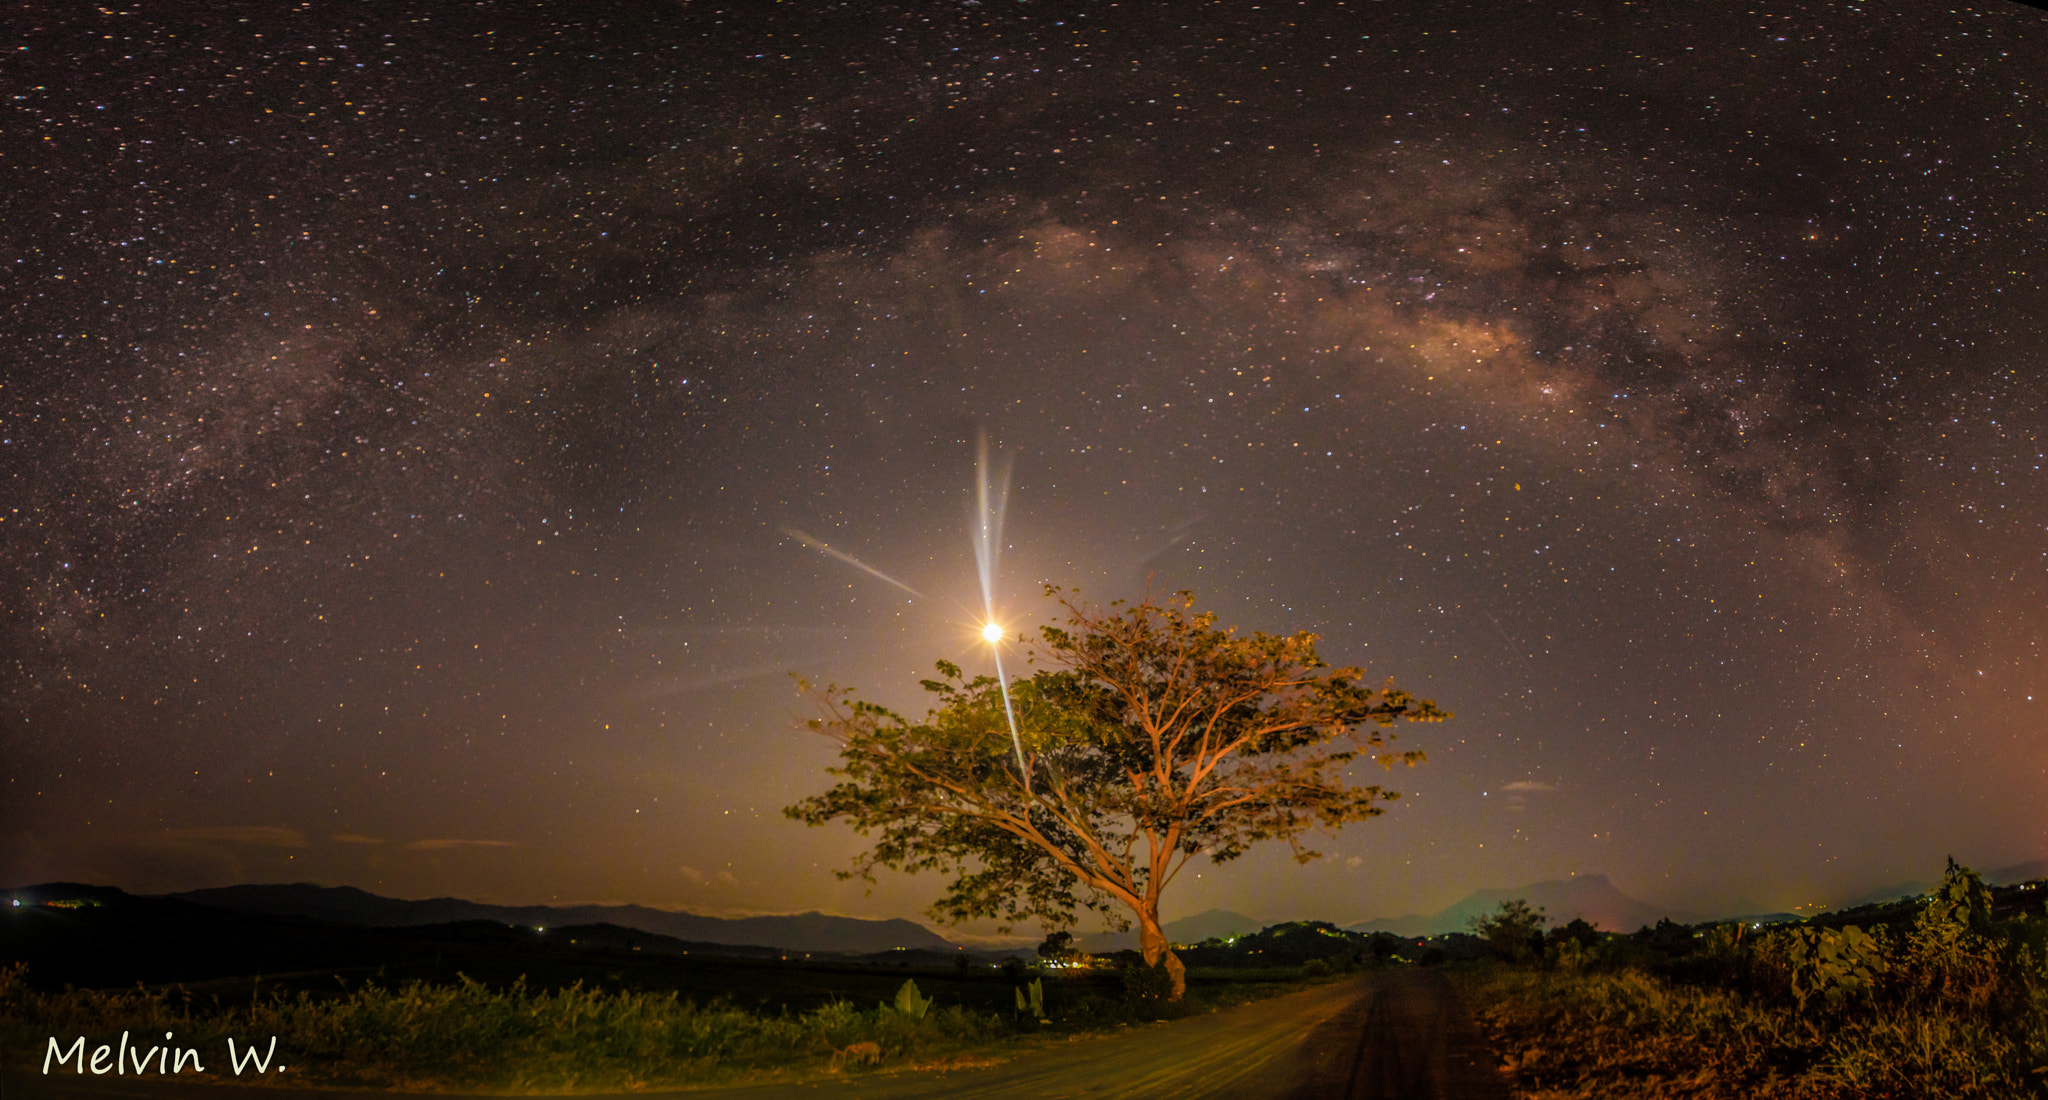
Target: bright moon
x,y
992,632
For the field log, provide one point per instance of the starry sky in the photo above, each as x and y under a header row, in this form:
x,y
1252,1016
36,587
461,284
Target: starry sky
x,y
422,430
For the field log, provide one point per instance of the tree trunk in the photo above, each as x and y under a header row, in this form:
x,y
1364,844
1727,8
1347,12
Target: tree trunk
x,y
1152,941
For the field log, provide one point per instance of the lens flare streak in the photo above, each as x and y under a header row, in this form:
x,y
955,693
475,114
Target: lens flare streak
x,y
992,499
849,559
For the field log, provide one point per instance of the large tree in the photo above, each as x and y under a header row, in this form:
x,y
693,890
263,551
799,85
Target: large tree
x,y
1145,737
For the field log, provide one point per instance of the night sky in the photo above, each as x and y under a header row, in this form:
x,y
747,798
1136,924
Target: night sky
x,y
419,427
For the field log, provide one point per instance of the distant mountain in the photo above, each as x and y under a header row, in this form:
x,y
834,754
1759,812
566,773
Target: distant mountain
x,y
619,938
795,932
2033,870
1885,895
1210,924
1591,897
1773,917
2030,871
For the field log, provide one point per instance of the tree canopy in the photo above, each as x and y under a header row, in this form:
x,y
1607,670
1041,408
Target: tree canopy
x,y
1514,931
1148,737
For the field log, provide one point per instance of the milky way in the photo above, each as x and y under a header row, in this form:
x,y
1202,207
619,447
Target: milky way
x,y
420,430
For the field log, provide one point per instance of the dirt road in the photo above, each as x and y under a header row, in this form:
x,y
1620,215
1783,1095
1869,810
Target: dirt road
x,y
1408,1037
1398,1036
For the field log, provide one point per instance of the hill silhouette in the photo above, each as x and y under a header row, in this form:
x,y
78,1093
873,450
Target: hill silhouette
x,y
1208,924
346,905
1589,897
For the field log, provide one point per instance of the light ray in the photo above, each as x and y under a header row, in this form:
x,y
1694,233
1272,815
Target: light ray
x,y
849,559
992,499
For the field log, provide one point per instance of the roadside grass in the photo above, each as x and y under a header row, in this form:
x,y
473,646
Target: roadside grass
x,y
470,1036
1953,1004
1565,1034
1636,1035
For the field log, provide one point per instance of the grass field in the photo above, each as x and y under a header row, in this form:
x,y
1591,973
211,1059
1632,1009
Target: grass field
x,y
480,1005
650,1023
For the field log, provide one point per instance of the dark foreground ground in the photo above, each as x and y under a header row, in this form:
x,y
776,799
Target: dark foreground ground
x,y
1407,1036
1399,1035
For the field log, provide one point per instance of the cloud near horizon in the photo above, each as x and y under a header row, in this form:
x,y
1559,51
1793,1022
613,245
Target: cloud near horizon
x,y
447,843
154,860
699,878
269,836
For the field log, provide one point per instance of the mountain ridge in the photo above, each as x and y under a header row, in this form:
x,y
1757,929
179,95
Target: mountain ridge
x,y
1205,925
1589,897
349,905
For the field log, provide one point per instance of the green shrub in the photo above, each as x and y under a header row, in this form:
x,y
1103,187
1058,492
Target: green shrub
x,y
910,1002
1031,1001
1573,956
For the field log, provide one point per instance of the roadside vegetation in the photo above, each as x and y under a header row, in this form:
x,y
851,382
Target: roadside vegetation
x,y
468,1035
1940,996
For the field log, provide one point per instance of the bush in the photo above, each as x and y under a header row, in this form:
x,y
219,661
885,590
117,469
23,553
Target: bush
x,y
1145,984
1384,945
1940,999
1578,932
